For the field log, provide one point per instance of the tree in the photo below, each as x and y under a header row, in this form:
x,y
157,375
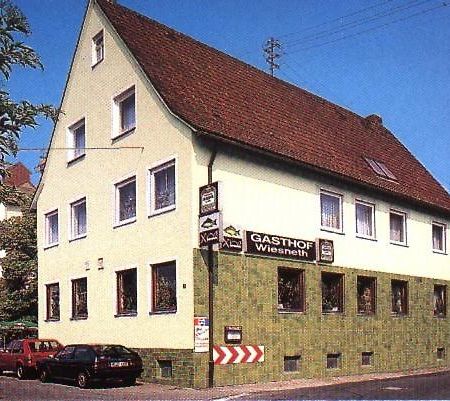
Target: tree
x,y
18,298
16,116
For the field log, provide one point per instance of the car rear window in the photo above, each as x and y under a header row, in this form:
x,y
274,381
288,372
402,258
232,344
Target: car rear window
x,y
43,346
112,350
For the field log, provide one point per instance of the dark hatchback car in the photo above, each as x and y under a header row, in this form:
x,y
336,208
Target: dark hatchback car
x,y
85,364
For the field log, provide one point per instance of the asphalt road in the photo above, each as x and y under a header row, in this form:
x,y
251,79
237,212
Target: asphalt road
x,y
435,386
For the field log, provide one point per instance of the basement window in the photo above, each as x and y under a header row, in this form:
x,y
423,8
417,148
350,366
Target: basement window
x,y
399,297
291,297
332,293
127,292
380,169
292,363
366,358
165,369
440,353
440,300
366,287
333,361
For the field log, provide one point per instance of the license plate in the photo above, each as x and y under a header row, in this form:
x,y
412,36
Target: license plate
x,y
118,364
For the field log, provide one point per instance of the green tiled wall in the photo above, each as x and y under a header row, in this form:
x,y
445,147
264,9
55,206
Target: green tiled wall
x,y
246,295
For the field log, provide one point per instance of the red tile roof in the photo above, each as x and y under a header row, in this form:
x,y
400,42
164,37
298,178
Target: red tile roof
x,y
19,177
226,98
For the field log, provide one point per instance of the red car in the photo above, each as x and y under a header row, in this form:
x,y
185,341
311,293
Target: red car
x,y
20,356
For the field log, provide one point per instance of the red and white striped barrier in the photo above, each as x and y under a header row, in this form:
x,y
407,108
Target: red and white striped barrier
x,y
225,354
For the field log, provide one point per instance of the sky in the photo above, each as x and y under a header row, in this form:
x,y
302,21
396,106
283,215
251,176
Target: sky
x,y
385,57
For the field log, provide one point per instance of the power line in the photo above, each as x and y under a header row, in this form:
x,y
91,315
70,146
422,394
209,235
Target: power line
x,y
370,29
353,24
334,19
87,148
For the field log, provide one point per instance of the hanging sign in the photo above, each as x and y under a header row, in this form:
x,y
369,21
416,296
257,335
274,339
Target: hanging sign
x,y
232,238
276,245
325,250
210,229
209,199
201,334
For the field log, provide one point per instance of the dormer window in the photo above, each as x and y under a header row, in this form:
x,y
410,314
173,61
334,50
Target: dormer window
x,y
380,169
98,48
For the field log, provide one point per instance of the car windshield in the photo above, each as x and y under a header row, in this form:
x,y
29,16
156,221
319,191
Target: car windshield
x,y
43,346
112,350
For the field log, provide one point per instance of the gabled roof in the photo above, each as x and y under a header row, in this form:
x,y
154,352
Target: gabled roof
x,y
225,98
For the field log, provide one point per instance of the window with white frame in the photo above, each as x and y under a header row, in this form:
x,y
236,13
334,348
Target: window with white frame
x,y
365,219
438,233
77,140
51,228
397,223
98,48
124,112
78,218
162,188
126,201
331,211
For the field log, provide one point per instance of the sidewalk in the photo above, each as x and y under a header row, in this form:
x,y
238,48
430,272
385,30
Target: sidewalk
x,y
230,392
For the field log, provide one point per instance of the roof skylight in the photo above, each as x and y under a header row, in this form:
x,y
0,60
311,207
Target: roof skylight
x,y
380,169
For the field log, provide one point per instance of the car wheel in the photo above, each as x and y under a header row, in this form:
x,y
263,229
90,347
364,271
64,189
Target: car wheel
x,y
20,372
82,380
44,375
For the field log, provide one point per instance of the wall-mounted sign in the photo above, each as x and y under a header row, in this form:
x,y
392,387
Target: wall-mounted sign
x,y
325,250
232,238
201,334
276,245
209,198
233,334
226,354
210,229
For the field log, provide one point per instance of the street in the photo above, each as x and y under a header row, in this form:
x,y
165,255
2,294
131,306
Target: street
x,y
433,386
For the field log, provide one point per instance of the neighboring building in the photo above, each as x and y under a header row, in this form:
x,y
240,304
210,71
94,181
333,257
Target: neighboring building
x,y
119,257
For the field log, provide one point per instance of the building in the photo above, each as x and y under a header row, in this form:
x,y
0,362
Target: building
x,y
345,263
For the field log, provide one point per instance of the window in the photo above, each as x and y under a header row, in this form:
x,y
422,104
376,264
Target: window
x,y
365,221
331,211
127,292
124,113
85,354
380,169
98,48
79,298
333,361
162,188
366,287
126,201
164,287
440,353
399,297
440,300
78,218
292,363
397,227
438,233
291,297
165,369
332,293
51,228
366,358
77,140
53,301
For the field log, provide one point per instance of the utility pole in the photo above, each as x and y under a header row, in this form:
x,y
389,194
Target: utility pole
x,y
272,52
